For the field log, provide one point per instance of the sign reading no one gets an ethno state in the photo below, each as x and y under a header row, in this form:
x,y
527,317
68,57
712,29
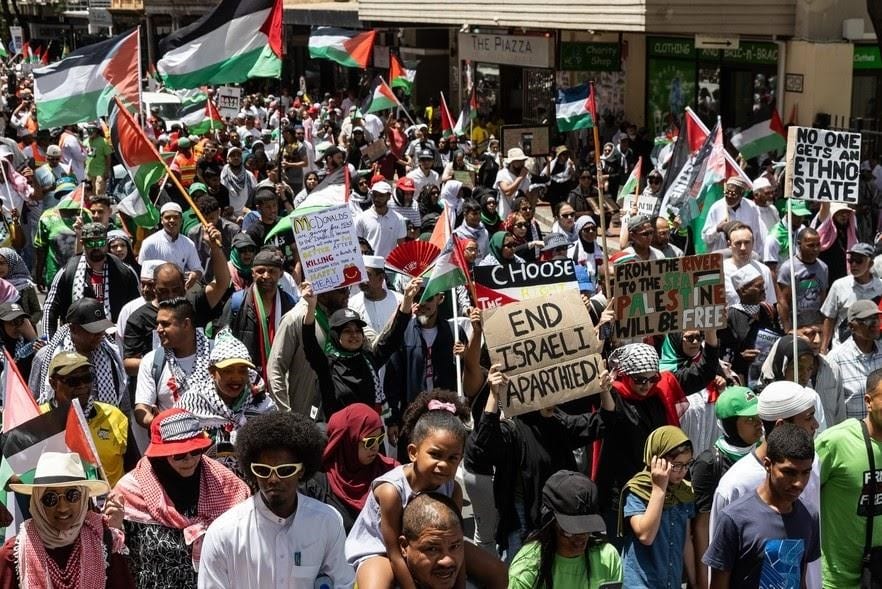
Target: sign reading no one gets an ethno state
x,y
548,349
822,165
673,294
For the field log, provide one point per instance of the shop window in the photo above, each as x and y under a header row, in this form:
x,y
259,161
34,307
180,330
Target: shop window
x,y
539,98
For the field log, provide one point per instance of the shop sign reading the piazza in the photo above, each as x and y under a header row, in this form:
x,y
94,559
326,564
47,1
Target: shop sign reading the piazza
x,y
523,50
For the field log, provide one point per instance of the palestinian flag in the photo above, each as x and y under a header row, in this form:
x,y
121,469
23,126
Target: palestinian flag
x,y
631,186
199,113
80,87
382,98
711,173
448,271
3,52
571,109
446,120
473,105
346,47
400,76
238,40
18,400
762,137
709,278
143,162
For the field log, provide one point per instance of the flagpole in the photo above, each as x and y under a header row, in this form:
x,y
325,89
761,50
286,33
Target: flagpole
x,y
637,185
86,433
457,358
600,195
792,288
401,106
142,116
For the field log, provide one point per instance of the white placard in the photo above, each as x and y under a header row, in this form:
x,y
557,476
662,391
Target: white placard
x,y
229,101
822,165
522,50
328,247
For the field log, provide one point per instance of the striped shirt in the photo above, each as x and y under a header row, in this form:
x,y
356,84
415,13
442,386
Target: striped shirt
x,y
854,367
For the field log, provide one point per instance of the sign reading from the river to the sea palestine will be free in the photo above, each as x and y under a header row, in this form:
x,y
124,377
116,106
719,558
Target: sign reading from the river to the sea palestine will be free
x,y
674,294
822,165
548,349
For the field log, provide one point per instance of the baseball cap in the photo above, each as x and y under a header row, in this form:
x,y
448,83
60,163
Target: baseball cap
x,y
176,431
799,208
382,188
406,184
737,402
11,311
94,231
341,317
426,154
554,241
863,249
229,351
89,314
784,399
637,221
66,362
197,187
863,309
573,499
53,151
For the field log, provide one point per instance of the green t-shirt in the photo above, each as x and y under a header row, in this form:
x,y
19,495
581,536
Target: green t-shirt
x,y
96,161
604,564
58,239
842,456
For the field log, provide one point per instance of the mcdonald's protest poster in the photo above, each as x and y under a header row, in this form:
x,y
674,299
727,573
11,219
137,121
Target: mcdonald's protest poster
x,y
822,165
501,285
548,349
328,248
673,294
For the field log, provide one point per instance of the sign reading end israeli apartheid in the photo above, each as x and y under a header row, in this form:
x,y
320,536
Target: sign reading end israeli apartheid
x,y
822,165
500,285
328,246
673,294
548,349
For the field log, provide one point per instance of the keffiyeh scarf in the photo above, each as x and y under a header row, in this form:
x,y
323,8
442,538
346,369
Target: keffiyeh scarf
x,y
179,382
81,281
18,275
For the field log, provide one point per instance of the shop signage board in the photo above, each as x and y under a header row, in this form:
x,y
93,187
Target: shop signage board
x,y
535,51
590,57
867,57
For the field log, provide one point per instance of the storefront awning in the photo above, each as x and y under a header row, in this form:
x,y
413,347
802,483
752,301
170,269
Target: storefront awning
x,y
338,14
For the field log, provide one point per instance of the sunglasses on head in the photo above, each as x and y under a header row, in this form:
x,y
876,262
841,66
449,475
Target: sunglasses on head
x,y
51,498
185,455
371,442
283,471
642,380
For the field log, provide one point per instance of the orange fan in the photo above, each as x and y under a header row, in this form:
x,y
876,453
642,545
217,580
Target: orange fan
x,y
412,257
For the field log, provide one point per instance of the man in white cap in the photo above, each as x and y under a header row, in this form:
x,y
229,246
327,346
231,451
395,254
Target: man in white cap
x,y
763,198
780,402
732,207
859,355
375,304
169,245
741,244
860,284
381,227
512,179
147,294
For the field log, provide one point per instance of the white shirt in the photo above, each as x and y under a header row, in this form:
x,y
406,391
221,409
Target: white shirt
x,y
772,253
251,547
504,203
375,313
729,268
747,213
421,180
146,391
180,252
381,231
73,154
123,318
843,292
769,217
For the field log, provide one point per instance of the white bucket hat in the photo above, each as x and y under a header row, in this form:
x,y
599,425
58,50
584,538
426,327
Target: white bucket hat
x,y
515,154
61,469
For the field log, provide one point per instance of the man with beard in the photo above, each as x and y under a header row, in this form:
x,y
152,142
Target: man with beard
x,y
662,239
763,198
732,207
511,180
171,246
93,274
431,541
254,314
239,182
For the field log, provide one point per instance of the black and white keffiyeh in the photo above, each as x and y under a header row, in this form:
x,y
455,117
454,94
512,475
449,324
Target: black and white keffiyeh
x,y
179,383
633,359
81,282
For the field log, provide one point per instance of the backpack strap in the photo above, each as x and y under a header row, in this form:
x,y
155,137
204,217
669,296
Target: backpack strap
x,y
236,302
156,368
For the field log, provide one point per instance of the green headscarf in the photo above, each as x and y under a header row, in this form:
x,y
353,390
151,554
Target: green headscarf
x,y
659,443
243,270
496,245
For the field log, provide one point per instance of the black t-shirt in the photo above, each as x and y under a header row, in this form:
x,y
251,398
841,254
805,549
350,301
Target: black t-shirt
x,y
142,322
259,231
706,472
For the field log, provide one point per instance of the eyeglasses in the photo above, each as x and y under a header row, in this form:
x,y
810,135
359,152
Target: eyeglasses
x,y
520,225
283,471
185,455
857,259
371,442
647,233
567,215
642,380
94,243
51,498
589,228
508,244
693,339
75,381
681,466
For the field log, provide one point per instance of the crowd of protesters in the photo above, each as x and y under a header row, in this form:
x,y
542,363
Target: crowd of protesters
x,y
255,433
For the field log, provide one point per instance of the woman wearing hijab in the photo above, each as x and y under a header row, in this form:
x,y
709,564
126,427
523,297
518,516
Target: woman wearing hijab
x,y
428,200
120,245
347,369
170,499
585,250
656,506
242,255
565,222
502,246
646,399
837,228
489,212
351,461
612,164
14,270
737,410
64,545
567,550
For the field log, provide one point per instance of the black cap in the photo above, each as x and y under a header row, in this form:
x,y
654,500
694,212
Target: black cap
x,y
426,154
89,314
572,497
341,317
333,150
555,241
11,312
241,240
267,257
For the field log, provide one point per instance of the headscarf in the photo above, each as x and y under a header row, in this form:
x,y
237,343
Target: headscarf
x,y
8,292
18,275
659,443
672,356
51,537
496,242
486,218
353,369
243,270
636,358
784,355
350,480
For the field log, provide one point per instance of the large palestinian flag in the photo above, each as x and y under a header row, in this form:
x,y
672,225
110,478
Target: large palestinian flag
x,y
348,48
80,87
238,40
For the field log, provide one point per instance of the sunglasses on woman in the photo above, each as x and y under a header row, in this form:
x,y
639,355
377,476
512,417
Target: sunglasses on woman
x,y
51,498
185,455
371,442
283,471
693,339
642,380
520,225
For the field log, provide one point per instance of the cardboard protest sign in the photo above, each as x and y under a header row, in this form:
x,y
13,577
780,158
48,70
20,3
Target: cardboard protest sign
x,y
822,165
500,285
374,150
328,248
548,349
673,294
229,101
